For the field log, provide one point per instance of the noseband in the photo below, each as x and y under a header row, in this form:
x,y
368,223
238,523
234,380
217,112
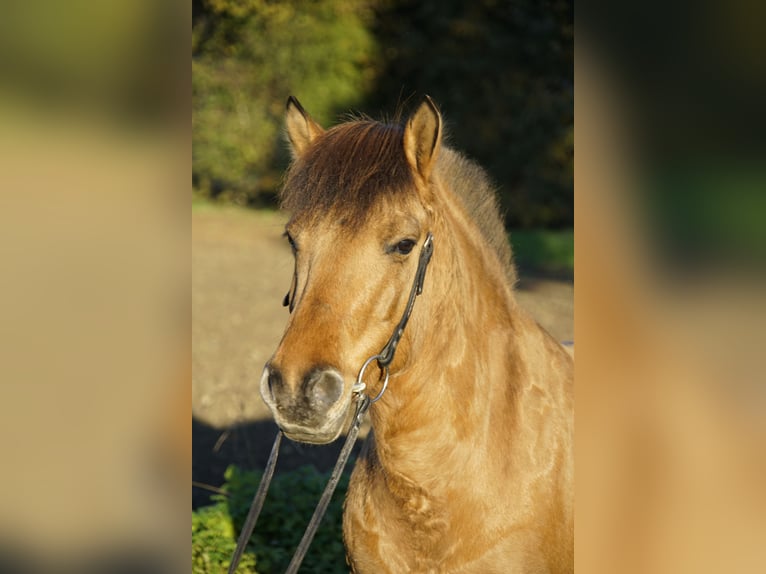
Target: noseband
x,y
384,358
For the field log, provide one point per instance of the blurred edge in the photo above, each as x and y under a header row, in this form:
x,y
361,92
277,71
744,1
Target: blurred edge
x,y
94,243
670,174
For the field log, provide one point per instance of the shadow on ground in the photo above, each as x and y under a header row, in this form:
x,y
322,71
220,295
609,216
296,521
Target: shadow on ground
x,y
248,446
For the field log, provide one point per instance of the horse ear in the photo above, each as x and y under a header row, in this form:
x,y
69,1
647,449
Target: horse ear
x,y
422,137
301,129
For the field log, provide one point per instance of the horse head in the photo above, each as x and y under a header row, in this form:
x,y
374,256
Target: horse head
x,y
360,199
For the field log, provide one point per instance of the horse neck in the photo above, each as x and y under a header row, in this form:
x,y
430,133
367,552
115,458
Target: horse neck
x,y
457,380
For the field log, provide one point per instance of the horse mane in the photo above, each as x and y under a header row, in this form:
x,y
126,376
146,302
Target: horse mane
x,y
350,166
472,185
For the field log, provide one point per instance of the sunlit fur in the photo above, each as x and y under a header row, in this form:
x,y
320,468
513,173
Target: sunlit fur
x,y
469,465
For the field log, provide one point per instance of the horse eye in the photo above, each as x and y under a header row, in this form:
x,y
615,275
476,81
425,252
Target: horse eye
x,y
290,240
404,246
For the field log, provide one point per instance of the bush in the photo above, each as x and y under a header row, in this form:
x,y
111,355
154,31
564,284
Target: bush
x,y
285,515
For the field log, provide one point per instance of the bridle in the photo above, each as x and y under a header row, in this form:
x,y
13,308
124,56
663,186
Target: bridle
x,y
384,359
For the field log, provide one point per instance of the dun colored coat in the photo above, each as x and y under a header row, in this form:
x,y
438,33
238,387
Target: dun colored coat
x,y
469,465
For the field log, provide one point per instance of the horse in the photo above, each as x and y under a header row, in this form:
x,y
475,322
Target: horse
x,y
468,466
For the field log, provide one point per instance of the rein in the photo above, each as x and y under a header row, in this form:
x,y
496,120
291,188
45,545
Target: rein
x,y
363,402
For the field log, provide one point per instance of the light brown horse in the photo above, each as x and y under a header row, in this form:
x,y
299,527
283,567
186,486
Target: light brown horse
x,y
469,466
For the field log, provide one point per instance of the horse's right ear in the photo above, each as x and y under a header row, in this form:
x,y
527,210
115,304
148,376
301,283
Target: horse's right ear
x,y
301,129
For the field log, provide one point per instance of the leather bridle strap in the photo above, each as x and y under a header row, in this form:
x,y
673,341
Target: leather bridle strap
x,y
386,355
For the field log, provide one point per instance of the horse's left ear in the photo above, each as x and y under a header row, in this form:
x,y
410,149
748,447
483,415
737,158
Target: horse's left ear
x,y
422,137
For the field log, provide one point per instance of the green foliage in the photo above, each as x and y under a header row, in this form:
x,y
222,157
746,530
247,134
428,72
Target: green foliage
x,y
214,541
709,212
288,509
544,250
247,57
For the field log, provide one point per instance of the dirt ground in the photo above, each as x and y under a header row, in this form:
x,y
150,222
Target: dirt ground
x,y
241,269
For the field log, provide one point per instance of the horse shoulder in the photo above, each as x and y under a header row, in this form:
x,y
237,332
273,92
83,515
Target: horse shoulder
x,y
390,524
365,519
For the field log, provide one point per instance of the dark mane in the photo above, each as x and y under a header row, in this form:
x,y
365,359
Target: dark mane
x,y
347,169
350,166
472,185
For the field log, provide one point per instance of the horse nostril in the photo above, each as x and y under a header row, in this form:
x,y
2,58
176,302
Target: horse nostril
x,y
325,387
274,382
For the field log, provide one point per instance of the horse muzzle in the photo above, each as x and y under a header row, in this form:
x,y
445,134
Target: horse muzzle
x,y
311,409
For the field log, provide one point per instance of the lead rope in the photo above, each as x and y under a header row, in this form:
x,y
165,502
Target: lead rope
x,y
362,405
255,508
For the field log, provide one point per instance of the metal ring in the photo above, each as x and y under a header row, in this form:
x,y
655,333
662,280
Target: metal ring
x,y
360,384
383,390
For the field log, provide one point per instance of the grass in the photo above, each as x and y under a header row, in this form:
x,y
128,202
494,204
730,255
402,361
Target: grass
x,y
544,250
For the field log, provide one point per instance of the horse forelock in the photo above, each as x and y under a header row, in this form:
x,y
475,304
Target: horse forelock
x,y
347,170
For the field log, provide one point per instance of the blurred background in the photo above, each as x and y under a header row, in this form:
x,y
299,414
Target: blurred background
x,y
94,287
671,243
